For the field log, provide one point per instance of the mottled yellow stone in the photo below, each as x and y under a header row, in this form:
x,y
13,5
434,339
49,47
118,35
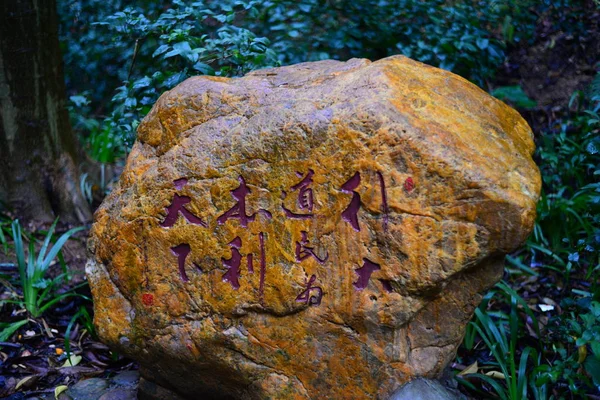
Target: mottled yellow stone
x,y
460,192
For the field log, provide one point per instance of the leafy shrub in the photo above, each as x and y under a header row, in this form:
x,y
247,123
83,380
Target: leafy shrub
x,y
457,36
563,252
145,48
573,333
570,165
500,332
157,49
39,292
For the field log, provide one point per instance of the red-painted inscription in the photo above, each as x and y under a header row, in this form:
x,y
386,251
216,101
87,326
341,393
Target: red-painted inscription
x,y
250,265
303,250
263,267
177,207
350,214
384,203
305,198
387,285
364,273
180,183
312,295
233,264
182,251
238,211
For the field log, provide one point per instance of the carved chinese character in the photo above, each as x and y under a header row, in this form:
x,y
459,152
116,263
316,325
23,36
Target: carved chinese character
x,y
384,204
387,285
364,273
303,251
178,207
309,298
233,263
238,211
305,198
350,214
182,251
263,267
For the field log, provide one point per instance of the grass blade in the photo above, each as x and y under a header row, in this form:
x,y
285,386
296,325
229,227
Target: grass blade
x,y
58,246
18,239
7,332
46,243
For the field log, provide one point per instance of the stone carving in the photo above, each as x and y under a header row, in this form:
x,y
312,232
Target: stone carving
x,y
375,201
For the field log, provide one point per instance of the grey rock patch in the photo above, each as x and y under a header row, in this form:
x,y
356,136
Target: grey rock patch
x,y
88,389
122,386
126,378
120,394
425,389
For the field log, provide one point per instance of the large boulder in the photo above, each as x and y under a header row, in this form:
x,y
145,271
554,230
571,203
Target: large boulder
x,y
323,230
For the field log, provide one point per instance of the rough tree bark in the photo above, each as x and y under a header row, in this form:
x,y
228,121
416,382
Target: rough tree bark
x,y
39,152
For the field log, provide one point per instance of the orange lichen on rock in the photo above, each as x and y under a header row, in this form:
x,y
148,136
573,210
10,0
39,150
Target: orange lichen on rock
x,y
322,230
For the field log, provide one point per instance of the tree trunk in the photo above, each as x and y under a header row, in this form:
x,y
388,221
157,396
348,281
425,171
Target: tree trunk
x,y
38,149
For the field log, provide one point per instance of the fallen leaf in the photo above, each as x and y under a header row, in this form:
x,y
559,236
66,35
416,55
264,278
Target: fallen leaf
x,y
47,329
495,374
549,301
582,354
81,370
58,390
90,356
23,381
72,361
471,369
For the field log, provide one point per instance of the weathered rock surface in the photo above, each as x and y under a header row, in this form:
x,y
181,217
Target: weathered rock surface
x,y
322,230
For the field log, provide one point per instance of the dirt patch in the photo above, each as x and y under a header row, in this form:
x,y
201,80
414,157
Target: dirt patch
x,y
563,59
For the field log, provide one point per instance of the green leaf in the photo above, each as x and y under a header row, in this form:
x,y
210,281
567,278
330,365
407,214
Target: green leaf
x,y
596,348
178,49
131,102
483,43
47,239
7,332
72,361
79,100
514,95
160,50
494,384
58,245
142,82
592,367
41,284
203,68
18,241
